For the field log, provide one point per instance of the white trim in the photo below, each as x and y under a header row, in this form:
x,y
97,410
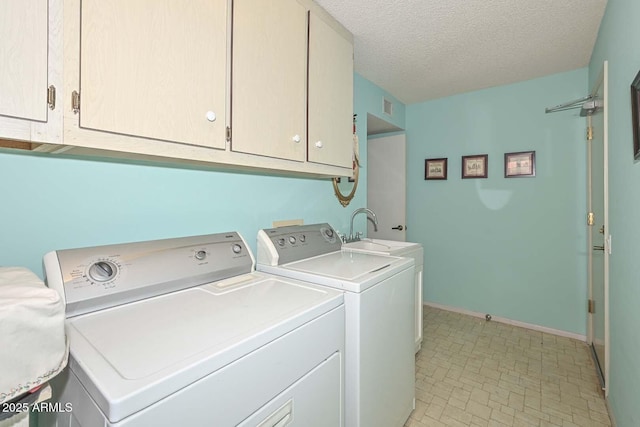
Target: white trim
x,y
566,334
607,336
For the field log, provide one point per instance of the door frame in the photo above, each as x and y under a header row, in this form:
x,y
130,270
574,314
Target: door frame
x,y
601,82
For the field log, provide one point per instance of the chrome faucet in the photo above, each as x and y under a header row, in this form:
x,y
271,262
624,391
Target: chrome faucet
x,y
370,214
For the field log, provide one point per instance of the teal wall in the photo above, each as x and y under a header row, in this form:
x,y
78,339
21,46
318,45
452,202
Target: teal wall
x,y
49,202
514,247
53,203
618,43
370,99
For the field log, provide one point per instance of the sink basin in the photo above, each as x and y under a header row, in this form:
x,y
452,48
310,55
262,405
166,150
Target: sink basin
x,y
388,247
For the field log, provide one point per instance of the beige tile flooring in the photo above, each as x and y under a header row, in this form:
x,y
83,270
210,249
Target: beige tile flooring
x,y
471,372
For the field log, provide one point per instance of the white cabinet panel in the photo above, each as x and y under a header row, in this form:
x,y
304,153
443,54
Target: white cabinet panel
x,y
269,78
23,59
330,95
155,69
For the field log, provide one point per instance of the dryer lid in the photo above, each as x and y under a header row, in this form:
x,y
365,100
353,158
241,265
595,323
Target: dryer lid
x,y
130,356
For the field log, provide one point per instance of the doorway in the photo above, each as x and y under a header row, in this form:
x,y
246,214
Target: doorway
x,y
386,180
598,235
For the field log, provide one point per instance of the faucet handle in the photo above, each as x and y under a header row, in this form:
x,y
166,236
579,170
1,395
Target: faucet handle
x,y
358,235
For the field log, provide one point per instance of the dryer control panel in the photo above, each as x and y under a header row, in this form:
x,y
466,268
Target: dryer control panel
x,y
277,246
105,276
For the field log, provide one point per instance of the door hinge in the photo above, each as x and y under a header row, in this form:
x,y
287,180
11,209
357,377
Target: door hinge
x,y
228,133
591,306
51,97
590,133
590,218
75,102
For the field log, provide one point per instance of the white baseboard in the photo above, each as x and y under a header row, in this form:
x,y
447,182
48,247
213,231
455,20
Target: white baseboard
x,y
531,326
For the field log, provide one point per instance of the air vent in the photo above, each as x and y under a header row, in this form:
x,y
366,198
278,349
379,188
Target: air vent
x,y
387,107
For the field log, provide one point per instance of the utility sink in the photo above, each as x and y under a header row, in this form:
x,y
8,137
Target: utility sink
x,y
388,247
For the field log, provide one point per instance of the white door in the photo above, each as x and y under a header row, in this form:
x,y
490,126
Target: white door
x,y
599,238
386,186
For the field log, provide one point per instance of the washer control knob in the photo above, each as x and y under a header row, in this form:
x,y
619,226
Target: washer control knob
x,y
201,254
236,248
302,238
103,271
281,241
292,240
328,232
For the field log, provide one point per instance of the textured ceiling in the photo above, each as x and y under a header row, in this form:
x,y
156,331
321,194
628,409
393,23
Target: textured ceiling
x,y
425,49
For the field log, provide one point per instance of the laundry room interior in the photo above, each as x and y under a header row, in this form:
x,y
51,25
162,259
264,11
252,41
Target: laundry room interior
x,y
509,332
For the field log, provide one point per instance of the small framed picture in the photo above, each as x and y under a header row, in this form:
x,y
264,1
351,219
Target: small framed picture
x,y
435,168
519,165
635,115
475,166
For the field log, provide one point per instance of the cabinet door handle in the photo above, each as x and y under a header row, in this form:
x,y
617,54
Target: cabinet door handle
x,y
319,144
296,138
211,116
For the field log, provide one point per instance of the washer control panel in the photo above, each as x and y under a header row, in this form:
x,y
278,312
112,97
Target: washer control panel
x,y
296,242
104,276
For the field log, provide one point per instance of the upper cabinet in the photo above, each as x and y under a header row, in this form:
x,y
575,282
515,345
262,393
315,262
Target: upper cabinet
x,y
155,69
27,80
330,93
269,83
263,85
23,68
292,92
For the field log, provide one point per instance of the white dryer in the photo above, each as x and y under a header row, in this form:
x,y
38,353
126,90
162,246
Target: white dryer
x,y
185,332
379,302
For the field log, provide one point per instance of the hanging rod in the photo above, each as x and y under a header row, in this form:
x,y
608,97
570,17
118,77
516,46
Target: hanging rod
x,y
568,105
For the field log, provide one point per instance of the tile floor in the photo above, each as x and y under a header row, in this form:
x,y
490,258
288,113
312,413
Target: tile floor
x,y
471,372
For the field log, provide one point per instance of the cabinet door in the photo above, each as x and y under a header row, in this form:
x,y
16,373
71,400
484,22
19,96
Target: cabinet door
x,y
269,78
155,69
23,59
330,95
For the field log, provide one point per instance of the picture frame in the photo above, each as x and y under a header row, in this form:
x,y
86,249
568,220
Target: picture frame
x,y
520,164
475,166
435,169
635,115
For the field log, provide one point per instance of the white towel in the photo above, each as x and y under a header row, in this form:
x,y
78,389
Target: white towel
x,y
33,344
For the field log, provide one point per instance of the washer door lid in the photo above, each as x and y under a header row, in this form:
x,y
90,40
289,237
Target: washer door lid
x,y
344,265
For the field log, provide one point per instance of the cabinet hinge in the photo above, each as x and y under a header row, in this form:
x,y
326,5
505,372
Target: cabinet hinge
x,y
51,97
590,218
75,102
591,306
228,133
590,133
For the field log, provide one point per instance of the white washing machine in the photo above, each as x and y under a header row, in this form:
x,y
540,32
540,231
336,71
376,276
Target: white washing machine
x,y
185,332
401,249
379,302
